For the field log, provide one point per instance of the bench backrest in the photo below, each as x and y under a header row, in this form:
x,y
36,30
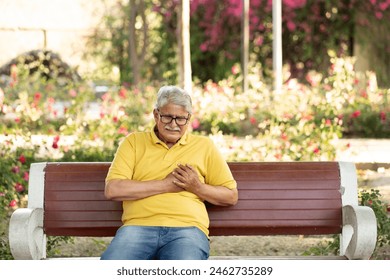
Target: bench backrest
x,y
274,198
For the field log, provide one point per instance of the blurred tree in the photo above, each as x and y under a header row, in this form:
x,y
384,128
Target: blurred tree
x,y
138,38
311,28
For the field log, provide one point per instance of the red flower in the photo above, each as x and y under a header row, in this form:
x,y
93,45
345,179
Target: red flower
x,y
37,96
356,114
122,93
55,141
253,120
14,72
383,116
15,169
22,159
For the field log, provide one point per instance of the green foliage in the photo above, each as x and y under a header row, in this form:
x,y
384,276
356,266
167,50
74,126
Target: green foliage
x,y
53,242
372,199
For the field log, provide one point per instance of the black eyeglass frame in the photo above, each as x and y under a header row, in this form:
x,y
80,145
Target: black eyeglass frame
x,y
174,118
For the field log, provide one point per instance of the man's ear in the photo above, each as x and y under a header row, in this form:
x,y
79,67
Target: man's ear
x,y
155,115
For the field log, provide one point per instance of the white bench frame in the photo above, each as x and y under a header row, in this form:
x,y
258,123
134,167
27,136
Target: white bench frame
x,y
357,240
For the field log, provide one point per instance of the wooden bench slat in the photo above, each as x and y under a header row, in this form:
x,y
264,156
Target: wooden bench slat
x,y
286,176
88,206
288,196
244,205
244,195
244,184
288,185
312,165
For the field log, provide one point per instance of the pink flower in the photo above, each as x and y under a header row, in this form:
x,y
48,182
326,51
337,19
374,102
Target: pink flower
x,y
295,4
19,187
291,25
235,69
259,41
379,15
12,203
203,47
195,124
37,96
105,96
123,130
26,176
384,5
72,93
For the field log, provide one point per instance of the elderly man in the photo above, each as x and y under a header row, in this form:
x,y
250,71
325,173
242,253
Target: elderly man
x,y
163,178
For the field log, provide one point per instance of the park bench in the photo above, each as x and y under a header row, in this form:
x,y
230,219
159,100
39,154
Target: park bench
x,y
275,198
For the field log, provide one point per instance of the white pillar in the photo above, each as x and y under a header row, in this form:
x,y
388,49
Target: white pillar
x,y
245,44
277,44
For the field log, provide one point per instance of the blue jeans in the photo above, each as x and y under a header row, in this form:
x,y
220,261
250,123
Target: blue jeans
x,y
158,243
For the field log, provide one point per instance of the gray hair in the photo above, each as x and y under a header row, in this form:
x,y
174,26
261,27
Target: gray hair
x,y
174,95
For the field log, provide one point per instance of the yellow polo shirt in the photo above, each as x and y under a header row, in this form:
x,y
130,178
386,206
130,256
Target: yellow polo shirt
x,y
142,156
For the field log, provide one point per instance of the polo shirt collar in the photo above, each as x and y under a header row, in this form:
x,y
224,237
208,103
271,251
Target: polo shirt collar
x,y
182,141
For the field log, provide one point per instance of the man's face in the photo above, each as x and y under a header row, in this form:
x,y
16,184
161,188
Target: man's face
x,y
171,132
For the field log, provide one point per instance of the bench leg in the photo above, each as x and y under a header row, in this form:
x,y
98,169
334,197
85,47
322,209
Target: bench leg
x,y
26,238
359,232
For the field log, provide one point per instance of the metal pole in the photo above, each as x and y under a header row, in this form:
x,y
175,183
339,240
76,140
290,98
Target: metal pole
x,y
277,44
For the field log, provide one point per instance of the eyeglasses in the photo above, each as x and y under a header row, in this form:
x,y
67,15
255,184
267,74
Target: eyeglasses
x,y
180,121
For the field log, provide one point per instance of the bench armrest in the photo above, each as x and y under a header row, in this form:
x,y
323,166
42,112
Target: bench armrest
x,y
359,232
26,238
